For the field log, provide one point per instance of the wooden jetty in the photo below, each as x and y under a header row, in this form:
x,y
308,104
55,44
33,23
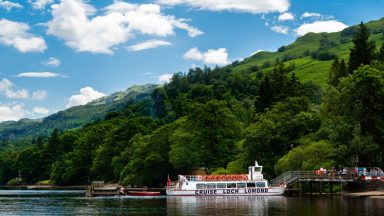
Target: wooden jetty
x,y
291,178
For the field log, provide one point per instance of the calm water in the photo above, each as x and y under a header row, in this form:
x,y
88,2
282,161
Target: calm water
x,y
73,203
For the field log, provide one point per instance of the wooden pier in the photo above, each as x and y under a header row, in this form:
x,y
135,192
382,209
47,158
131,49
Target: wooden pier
x,y
311,177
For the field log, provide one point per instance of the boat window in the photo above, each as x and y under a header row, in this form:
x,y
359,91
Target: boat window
x,y
257,169
241,185
200,186
251,184
231,185
221,185
211,185
260,184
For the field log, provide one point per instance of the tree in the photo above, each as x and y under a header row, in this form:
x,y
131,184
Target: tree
x,y
159,96
381,52
354,112
338,71
265,94
363,51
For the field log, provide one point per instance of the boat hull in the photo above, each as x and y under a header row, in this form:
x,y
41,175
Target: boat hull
x,y
273,191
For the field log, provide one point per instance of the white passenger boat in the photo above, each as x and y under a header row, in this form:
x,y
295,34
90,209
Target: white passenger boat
x,y
251,184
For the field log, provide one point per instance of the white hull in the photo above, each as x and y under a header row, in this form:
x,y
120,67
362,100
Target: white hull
x,y
274,191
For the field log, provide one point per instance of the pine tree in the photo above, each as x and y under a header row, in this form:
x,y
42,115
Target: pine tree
x,y
338,71
333,78
363,51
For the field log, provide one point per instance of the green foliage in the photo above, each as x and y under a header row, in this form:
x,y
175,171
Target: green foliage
x,y
310,156
277,131
363,51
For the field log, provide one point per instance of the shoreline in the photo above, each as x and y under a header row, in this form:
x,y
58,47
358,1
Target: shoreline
x,y
42,187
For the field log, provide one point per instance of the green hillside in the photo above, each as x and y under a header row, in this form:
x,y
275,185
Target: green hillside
x,y
74,117
299,53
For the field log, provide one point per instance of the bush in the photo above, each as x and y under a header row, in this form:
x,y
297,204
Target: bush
x,y
281,49
323,55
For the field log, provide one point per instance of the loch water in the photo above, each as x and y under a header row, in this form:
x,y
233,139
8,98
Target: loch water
x,y
75,203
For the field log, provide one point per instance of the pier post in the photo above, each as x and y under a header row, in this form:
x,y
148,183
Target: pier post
x,y
310,188
321,188
331,188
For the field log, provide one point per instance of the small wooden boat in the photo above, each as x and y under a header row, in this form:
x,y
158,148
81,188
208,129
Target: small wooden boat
x,y
143,193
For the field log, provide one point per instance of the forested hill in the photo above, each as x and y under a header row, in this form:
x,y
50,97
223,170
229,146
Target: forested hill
x,y
315,103
310,55
74,117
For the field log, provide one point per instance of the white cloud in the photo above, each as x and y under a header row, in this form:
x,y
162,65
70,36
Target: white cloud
x,y
215,57
308,15
40,4
86,95
148,45
280,29
8,5
120,22
5,84
39,95
6,88
17,94
316,16
53,62
165,78
16,34
40,110
12,112
321,26
247,6
38,74
286,16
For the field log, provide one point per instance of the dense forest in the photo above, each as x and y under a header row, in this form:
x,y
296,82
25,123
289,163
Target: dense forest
x,y
222,121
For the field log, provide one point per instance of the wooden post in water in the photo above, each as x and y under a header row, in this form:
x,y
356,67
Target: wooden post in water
x,y
321,188
310,188
330,188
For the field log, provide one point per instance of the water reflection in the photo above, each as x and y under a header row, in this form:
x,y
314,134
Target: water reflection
x,y
225,205
41,204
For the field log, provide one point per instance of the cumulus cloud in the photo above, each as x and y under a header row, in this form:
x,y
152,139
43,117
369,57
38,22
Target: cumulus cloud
x,y
321,26
53,62
86,95
40,4
280,29
12,112
7,89
148,45
165,78
286,16
40,110
8,5
214,57
39,95
38,74
75,22
16,34
247,6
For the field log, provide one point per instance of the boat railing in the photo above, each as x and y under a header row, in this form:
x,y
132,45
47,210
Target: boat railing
x,y
231,177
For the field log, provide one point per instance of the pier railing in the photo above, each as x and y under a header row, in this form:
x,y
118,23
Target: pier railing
x,y
291,177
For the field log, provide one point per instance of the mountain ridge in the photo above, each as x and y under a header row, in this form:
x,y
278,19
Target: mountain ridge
x,y
75,117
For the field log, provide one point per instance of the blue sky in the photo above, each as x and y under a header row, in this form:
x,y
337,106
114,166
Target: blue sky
x,y
61,53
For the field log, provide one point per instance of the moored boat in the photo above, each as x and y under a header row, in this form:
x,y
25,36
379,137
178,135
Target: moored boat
x,y
251,184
